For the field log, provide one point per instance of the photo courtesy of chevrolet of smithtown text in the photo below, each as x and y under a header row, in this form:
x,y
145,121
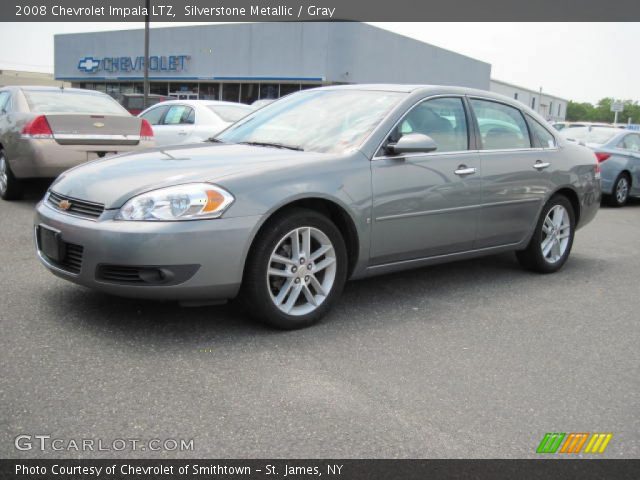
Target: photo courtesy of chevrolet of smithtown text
x,y
309,238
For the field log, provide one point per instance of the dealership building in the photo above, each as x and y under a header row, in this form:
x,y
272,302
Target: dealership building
x,y
251,61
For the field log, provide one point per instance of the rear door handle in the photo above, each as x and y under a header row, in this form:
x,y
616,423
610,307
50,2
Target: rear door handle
x,y
464,170
182,132
539,165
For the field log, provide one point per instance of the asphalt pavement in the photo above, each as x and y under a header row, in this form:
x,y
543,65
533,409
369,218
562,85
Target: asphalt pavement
x,y
472,359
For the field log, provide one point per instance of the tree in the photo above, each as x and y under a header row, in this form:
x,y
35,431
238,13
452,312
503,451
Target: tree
x,y
601,111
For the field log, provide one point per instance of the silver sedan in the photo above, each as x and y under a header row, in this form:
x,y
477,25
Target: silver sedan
x,y
318,187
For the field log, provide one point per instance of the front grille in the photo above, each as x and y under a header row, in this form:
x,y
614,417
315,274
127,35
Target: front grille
x,y
81,208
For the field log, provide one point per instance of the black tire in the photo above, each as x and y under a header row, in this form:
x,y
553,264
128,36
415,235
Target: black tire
x,y
613,199
532,258
256,295
11,187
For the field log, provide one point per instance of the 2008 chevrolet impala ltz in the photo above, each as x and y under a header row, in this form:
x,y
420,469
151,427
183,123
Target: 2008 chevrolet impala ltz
x,y
321,186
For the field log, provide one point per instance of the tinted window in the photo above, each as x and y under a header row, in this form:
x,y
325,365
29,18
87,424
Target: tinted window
x,y
541,136
154,115
230,113
501,126
66,101
443,119
176,115
4,99
631,142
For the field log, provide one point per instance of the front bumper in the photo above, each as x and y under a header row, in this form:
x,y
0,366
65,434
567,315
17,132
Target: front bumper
x,y
214,251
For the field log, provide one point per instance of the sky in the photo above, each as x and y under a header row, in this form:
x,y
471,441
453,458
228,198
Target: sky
x,y
580,61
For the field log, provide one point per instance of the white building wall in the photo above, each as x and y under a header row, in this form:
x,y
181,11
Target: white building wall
x,y
549,106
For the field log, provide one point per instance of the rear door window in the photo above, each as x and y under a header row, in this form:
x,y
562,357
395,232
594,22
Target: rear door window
x,y
501,126
154,116
177,114
542,138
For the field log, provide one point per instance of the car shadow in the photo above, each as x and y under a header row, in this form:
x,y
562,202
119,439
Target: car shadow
x,y
167,325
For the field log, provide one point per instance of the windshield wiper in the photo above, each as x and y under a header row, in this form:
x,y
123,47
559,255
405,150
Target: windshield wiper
x,y
275,145
214,140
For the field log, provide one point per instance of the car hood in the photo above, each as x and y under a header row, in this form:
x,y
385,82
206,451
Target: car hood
x,y
113,181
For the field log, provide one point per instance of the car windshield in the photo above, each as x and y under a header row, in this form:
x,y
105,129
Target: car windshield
x,y
230,113
595,135
65,101
316,120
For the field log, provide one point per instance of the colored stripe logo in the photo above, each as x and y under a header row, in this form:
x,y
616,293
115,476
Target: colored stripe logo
x,y
574,442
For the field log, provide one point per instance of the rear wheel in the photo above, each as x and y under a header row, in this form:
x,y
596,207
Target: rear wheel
x,y
10,186
296,270
620,192
552,240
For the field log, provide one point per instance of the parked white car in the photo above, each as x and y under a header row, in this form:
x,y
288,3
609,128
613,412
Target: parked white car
x,y
191,121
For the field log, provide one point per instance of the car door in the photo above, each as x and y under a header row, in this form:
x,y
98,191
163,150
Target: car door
x,y
425,204
516,174
176,126
630,144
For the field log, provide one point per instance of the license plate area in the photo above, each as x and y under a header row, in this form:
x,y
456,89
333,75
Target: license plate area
x,y
50,243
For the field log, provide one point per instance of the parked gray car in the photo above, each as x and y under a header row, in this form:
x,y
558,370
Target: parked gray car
x,y
318,187
46,130
618,152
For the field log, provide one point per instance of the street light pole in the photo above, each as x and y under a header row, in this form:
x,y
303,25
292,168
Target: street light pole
x,y
146,56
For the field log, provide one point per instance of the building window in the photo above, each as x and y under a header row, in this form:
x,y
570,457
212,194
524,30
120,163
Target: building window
x,y
550,107
559,108
515,96
249,93
159,88
533,103
269,90
209,91
231,92
287,88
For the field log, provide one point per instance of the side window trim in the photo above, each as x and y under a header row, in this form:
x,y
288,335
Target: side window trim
x,y
477,124
470,136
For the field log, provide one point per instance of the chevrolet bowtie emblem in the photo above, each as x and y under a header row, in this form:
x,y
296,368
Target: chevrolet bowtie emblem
x,y
64,205
98,125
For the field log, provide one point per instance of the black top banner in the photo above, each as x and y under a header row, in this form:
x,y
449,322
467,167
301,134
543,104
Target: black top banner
x,y
316,10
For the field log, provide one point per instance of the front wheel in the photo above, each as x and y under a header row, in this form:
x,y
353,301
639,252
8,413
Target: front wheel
x,y
296,270
552,240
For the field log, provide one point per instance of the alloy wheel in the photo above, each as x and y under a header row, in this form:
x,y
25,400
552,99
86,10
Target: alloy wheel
x,y
622,190
301,271
556,231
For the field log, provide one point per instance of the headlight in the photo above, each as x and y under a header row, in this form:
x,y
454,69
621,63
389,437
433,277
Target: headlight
x,y
191,201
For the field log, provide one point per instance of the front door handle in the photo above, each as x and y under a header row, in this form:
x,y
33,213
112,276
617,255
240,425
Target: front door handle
x,y
539,165
464,170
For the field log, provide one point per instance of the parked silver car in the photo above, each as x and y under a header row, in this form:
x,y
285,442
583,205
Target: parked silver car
x,y
46,130
191,121
619,155
321,186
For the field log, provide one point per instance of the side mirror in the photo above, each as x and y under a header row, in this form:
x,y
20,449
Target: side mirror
x,y
413,143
